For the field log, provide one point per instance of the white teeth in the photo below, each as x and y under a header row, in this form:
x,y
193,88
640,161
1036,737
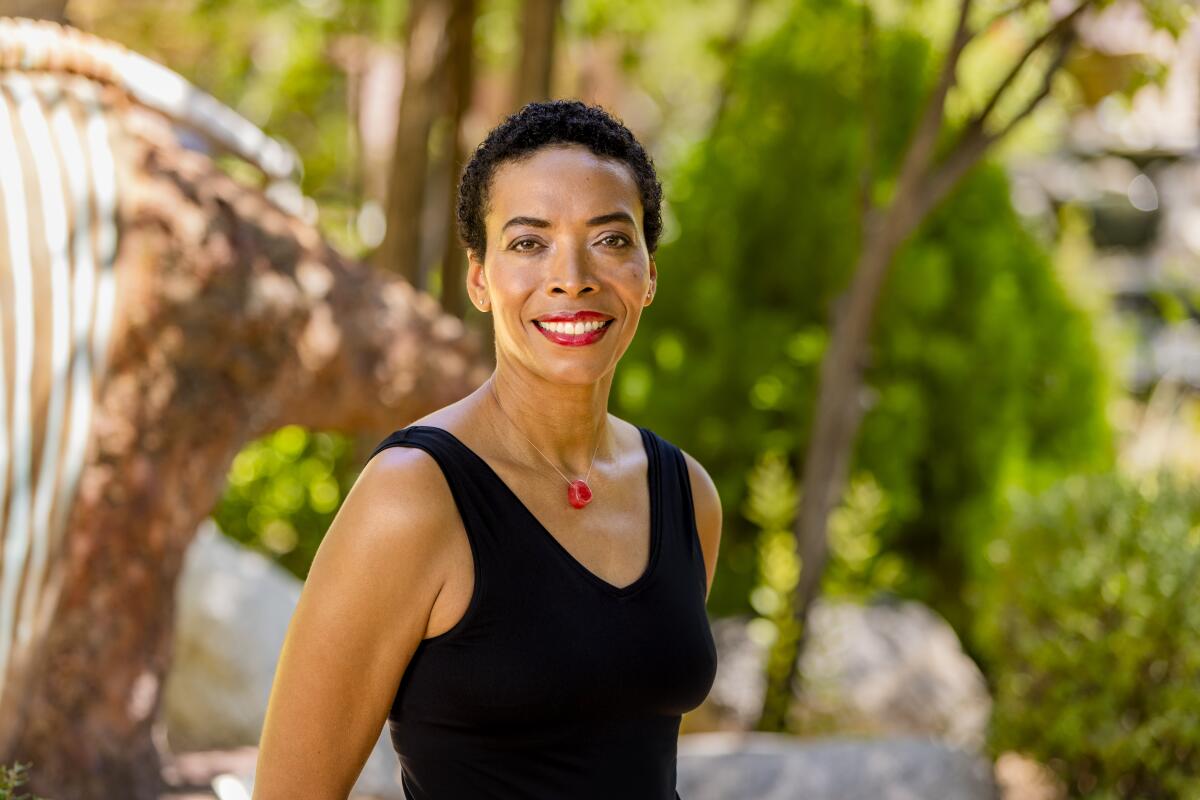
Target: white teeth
x,y
573,328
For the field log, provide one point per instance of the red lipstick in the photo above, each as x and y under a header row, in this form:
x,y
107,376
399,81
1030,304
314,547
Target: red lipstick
x,y
568,336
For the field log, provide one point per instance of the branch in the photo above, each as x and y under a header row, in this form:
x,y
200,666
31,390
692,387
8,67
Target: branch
x,y
1012,9
975,142
920,153
1060,55
1054,30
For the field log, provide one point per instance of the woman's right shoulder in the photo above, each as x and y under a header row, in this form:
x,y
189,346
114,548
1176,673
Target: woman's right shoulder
x,y
390,530
404,480
364,608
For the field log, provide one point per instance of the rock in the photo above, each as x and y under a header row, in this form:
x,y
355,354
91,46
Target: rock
x,y
763,766
233,607
887,669
1021,778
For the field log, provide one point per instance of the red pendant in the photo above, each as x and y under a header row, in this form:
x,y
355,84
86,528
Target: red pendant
x,y
578,494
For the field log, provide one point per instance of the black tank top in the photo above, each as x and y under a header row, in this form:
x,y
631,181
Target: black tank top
x,y
555,684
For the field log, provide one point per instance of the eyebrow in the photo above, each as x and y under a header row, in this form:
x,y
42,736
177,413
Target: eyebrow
x,y
615,216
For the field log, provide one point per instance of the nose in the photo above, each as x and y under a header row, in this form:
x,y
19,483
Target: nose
x,y
571,272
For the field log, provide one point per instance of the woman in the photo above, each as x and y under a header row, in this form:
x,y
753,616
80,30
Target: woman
x,y
517,581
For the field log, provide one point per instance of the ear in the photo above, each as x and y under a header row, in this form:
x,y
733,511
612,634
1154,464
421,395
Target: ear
x,y
477,288
653,282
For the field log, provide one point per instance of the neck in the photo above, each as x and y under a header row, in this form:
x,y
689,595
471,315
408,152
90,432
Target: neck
x,y
567,423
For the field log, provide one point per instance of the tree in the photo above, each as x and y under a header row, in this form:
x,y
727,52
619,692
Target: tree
x,y
426,52
459,75
539,22
982,372
924,180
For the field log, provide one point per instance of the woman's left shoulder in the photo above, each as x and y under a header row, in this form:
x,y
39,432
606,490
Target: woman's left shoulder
x,y
704,491
707,505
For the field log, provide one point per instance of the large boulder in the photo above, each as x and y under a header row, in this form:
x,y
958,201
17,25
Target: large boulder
x,y
890,669
233,607
763,766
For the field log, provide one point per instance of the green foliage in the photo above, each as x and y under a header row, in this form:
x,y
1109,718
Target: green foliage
x,y
1092,629
280,64
284,491
859,567
771,505
981,373
1172,16
11,778
856,567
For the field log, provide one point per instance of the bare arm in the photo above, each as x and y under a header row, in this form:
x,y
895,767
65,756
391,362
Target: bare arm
x,y
362,612
708,515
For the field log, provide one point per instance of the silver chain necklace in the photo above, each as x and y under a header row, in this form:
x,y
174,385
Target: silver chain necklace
x,y
579,494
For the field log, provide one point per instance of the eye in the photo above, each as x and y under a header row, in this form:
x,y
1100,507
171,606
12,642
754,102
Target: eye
x,y
517,245
622,240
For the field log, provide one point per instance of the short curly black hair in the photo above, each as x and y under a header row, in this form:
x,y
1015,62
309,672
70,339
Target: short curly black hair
x,y
553,122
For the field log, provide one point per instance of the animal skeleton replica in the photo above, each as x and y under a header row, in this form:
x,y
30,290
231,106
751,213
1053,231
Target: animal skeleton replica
x,y
155,316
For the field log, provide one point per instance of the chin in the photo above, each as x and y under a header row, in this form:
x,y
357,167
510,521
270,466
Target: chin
x,y
572,374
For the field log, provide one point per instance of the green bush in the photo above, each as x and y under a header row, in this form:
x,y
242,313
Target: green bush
x,y
11,778
1092,630
855,568
284,491
981,373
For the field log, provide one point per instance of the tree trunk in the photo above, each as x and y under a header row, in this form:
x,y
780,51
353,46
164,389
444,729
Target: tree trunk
x,y
459,78
840,404
232,319
424,61
839,395
539,20
923,182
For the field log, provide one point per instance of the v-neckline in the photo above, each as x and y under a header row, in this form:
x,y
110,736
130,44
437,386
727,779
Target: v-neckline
x,y
653,482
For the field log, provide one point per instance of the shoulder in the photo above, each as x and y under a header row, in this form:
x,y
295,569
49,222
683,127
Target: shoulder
x,y
393,518
402,480
363,609
705,499
706,503
386,549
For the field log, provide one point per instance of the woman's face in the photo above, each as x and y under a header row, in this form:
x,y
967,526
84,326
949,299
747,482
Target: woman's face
x,y
564,234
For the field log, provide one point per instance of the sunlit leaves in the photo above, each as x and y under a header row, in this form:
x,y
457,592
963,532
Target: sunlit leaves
x,y
974,348
283,491
1091,632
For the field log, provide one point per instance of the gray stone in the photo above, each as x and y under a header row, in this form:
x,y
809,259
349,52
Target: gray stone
x,y
890,669
763,766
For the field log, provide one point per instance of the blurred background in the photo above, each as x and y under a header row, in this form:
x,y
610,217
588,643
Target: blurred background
x,y
1005,423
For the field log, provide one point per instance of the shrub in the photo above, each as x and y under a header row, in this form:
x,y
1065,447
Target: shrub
x,y
1092,630
10,779
284,491
981,372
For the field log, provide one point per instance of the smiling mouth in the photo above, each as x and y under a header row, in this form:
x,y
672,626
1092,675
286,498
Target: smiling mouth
x,y
573,333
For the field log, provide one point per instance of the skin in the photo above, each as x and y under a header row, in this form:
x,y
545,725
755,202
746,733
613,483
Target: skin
x,y
395,566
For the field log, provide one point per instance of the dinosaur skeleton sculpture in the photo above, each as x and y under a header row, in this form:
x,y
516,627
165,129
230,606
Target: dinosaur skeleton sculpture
x,y
155,315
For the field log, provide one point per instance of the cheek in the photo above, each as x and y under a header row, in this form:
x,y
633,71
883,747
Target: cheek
x,y
510,285
638,269
514,298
